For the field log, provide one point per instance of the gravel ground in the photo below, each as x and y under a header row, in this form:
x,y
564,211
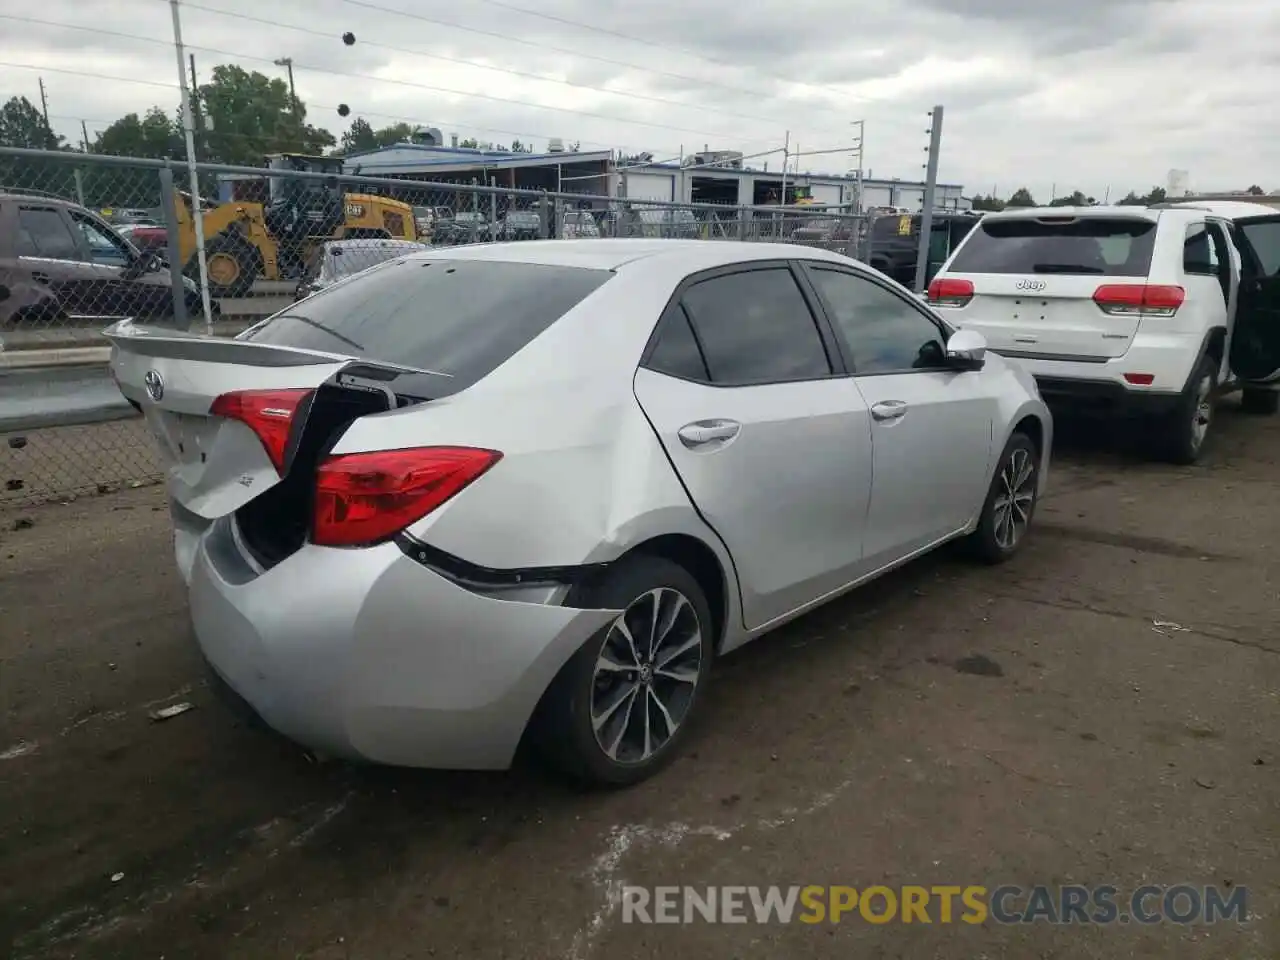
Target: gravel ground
x,y
1101,710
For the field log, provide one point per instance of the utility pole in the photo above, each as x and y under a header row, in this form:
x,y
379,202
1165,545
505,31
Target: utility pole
x,y
858,143
44,101
188,130
287,63
930,189
196,117
786,153
84,131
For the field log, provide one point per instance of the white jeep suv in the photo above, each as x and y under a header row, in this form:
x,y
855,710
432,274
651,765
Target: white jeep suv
x,y
1144,311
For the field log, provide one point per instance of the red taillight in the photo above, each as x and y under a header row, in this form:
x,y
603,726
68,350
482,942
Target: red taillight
x,y
268,413
950,292
1139,299
364,498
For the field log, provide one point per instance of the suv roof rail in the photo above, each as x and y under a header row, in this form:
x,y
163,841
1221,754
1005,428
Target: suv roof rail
x,y
29,192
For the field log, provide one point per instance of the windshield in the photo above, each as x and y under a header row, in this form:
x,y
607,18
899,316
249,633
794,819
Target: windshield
x,y
458,317
1101,246
469,216
523,217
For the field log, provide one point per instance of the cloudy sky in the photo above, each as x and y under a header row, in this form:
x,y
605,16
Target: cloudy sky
x,y
1089,94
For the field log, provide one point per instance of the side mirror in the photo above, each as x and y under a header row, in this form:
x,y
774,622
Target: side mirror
x,y
966,350
141,264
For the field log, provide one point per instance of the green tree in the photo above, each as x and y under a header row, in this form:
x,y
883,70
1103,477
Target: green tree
x,y
1131,199
23,125
396,133
1021,198
988,203
518,147
359,136
252,115
1073,199
1255,191
154,135
471,143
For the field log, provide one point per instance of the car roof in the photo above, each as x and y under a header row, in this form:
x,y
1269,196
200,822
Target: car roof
x,y
1227,209
613,254
1109,210
38,197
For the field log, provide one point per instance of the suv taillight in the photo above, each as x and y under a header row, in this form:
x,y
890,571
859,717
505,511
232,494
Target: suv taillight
x,y
268,413
1139,299
365,498
950,292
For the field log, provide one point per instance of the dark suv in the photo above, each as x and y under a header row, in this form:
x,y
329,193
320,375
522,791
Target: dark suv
x,y
894,245
61,263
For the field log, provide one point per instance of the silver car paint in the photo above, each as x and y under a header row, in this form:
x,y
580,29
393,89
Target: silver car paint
x,y
584,479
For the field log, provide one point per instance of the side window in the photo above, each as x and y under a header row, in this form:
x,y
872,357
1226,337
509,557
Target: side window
x,y
1264,238
676,351
104,247
882,332
1199,258
756,327
47,233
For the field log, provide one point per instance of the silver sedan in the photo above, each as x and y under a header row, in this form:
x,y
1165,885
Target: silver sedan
x,y
539,487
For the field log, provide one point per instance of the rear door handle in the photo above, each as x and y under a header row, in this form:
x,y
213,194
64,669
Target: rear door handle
x,y
704,434
889,409
41,277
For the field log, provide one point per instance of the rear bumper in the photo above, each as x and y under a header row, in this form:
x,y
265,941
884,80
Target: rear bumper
x,y
1103,397
367,655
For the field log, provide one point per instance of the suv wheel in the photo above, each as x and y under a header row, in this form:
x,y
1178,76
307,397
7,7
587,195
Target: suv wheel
x,y
1182,434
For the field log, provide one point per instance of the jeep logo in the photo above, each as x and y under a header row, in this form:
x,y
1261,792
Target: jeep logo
x,y
1035,286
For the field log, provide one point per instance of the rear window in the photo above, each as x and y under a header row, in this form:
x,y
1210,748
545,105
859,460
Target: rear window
x,y
1102,246
459,317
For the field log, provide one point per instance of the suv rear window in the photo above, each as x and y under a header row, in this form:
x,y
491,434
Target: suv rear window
x,y
459,317
1101,246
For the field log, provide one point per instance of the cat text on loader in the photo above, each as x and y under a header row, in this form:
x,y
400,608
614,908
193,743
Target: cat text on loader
x,y
275,224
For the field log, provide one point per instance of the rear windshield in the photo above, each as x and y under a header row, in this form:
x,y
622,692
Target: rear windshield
x,y
459,317
1102,246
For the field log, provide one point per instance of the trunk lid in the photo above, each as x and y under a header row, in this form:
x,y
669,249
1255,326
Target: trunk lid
x,y
1033,280
214,464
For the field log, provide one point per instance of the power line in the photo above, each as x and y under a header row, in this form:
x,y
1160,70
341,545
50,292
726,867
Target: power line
x,y
687,51
372,79
665,101
548,48
173,86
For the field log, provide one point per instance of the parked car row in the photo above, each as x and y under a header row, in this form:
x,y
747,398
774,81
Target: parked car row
x,y
400,523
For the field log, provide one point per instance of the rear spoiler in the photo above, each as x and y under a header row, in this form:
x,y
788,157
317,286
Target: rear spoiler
x,y
169,344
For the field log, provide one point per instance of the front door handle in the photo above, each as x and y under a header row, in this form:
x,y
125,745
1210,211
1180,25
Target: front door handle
x,y
706,434
41,277
889,409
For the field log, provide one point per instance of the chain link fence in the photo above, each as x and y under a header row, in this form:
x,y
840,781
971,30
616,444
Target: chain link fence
x,y
86,241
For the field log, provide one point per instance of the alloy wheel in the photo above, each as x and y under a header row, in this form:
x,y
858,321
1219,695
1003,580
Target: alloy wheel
x,y
1017,493
645,675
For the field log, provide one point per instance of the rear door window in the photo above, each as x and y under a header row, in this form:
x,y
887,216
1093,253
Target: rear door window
x,y
46,234
1095,246
459,317
755,326
1263,237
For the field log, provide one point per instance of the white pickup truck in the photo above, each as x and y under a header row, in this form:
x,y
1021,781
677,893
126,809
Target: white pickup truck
x,y
1146,311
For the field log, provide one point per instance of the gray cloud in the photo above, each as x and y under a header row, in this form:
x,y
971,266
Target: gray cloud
x,y
1080,94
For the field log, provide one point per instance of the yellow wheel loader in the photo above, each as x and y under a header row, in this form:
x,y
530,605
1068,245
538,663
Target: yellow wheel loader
x,y
247,240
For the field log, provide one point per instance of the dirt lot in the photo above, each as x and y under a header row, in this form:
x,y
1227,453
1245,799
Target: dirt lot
x,y
948,725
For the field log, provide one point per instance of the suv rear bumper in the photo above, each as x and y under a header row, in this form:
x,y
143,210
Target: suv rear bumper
x,y
1103,397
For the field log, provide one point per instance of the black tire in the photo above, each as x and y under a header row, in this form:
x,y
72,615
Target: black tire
x,y
1260,402
563,729
247,258
989,542
1177,436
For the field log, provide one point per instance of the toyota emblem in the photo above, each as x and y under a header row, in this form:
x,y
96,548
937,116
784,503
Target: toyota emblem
x,y
154,384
